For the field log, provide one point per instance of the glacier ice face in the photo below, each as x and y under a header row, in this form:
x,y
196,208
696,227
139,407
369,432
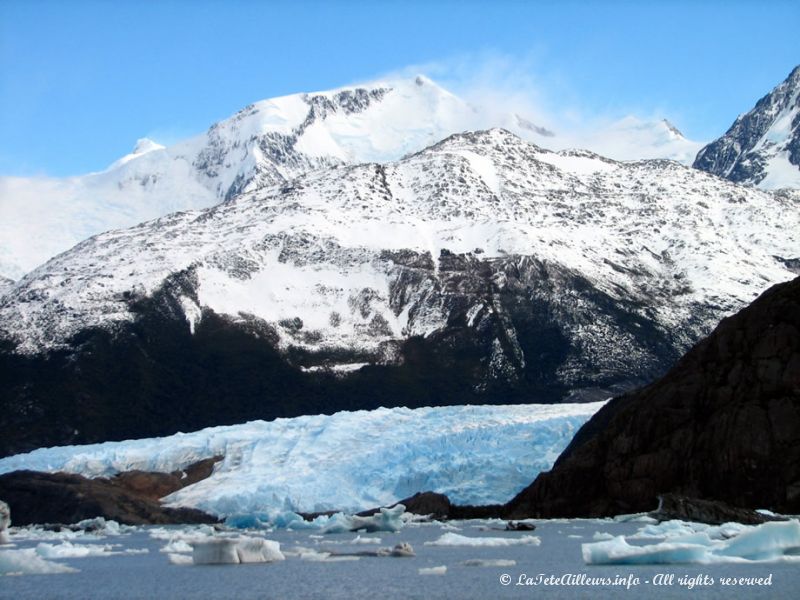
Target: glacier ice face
x,y
347,461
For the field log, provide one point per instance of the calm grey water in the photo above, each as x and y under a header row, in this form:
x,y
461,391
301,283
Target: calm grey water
x,y
152,576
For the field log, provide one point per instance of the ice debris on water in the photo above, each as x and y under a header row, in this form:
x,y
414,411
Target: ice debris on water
x,y
442,570
28,562
454,539
703,544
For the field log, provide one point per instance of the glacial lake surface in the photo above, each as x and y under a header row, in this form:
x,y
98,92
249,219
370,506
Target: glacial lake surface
x,y
552,569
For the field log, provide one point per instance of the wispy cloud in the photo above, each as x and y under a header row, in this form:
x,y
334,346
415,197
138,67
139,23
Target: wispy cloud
x,y
499,84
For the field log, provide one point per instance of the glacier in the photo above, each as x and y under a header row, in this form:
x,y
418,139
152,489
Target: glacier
x,y
348,461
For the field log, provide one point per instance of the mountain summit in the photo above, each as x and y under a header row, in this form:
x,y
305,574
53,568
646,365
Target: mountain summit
x,y
264,144
762,147
268,143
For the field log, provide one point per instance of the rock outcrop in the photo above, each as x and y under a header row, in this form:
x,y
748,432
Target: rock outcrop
x,y
130,498
723,424
713,512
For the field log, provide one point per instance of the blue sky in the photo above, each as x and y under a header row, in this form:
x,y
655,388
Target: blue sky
x,y
80,81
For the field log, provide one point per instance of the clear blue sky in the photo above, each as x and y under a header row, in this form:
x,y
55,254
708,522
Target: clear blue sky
x,y
80,81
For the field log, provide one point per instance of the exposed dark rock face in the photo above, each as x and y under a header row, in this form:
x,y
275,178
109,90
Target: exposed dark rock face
x,y
517,329
157,485
713,512
435,505
742,155
61,498
723,424
131,498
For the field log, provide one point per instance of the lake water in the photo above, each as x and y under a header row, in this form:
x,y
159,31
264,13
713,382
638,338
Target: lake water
x,y
151,575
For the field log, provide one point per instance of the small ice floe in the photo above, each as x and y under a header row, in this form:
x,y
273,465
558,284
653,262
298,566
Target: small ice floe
x,y
179,546
773,541
600,536
365,540
488,562
69,550
28,562
520,526
454,539
635,518
442,570
86,529
386,519
232,551
675,529
187,532
180,559
315,556
577,537
5,522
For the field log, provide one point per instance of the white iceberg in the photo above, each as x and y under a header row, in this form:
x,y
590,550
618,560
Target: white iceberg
x,y
455,539
687,543
619,552
69,550
5,522
488,562
28,562
233,551
442,570
386,519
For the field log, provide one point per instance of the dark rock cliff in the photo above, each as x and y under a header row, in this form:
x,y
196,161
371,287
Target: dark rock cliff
x,y
723,424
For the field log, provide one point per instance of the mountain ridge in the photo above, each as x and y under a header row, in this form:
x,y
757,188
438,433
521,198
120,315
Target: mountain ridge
x,y
482,269
762,147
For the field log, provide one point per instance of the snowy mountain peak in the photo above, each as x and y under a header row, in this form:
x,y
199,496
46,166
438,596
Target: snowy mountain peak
x,y
672,129
144,145
762,147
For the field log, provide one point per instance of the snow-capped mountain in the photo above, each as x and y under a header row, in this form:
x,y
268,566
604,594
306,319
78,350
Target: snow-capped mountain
x,y
762,147
633,138
481,269
263,144
266,143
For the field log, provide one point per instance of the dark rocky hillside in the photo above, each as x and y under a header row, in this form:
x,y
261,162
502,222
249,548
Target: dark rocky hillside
x,y
723,424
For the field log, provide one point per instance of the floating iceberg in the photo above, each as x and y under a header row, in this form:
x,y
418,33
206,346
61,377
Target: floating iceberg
x,y
488,562
698,543
5,521
28,562
349,461
386,519
442,570
69,550
454,539
233,551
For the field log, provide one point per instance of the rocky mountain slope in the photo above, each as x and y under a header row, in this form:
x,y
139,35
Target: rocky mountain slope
x,y
482,269
723,424
762,147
